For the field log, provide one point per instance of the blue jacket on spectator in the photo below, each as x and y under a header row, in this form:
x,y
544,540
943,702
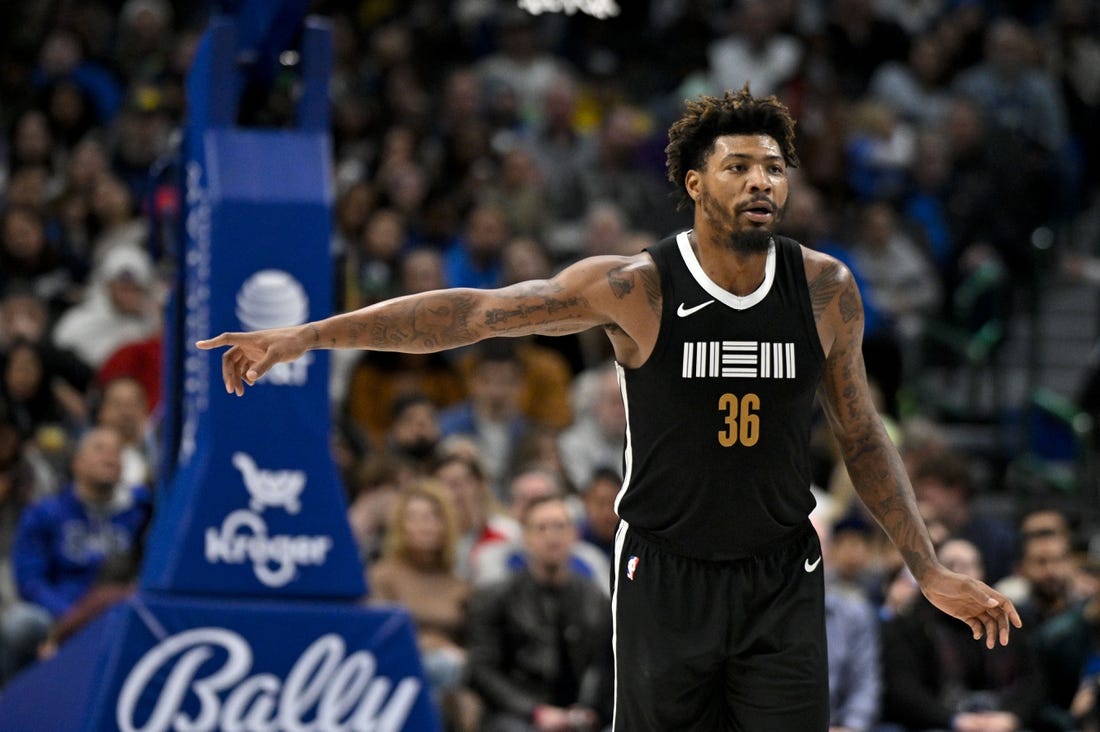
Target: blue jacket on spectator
x,y
60,544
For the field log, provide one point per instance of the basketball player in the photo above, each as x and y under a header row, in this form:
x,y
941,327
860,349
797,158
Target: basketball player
x,y
723,335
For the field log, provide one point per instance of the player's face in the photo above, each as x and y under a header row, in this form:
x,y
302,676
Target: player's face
x,y
742,190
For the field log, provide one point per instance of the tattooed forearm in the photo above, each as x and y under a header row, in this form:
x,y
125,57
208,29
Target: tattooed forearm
x,y
873,463
877,473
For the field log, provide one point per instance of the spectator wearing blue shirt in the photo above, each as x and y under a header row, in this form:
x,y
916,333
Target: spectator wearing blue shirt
x,y
474,259
62,541
852,636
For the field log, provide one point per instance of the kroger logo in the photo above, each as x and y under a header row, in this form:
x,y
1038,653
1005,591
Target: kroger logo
x,y
326,689
243,536
280,488
272,298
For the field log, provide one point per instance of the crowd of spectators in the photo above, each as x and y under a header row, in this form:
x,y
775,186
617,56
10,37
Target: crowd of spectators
x,y
478,145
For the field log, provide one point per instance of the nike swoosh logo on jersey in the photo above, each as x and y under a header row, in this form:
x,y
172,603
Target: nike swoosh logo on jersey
x,y
810,567
683,312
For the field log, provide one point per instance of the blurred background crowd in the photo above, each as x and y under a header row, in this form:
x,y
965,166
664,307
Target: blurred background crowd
x,y
949,156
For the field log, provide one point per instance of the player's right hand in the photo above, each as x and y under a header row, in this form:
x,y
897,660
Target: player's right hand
x,y
251,355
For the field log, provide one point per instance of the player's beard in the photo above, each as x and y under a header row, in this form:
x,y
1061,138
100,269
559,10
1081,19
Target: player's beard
x,y
755,240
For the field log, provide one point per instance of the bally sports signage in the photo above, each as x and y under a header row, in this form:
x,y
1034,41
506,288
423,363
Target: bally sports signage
x,y
162,664
250,611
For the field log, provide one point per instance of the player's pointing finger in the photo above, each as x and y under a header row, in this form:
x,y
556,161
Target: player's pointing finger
x,y
215,342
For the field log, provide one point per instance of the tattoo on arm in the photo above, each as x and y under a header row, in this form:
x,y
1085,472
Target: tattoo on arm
x,y
873,462
621,281
849,304
525,314
823,288
651,283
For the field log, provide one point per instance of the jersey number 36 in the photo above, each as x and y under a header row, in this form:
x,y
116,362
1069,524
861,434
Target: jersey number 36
x,y
742,420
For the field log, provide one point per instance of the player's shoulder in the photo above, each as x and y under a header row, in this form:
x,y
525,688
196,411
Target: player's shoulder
x,y
822,266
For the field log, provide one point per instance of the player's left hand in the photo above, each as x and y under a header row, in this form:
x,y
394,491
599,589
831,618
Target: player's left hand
x,y
985,610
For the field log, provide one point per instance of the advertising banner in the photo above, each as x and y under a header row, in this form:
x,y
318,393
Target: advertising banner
x,y
158,664
249,615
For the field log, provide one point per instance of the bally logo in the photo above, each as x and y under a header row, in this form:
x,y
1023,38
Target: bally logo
x,y
207,669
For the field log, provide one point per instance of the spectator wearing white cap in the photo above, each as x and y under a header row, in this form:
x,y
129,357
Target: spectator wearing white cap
x,y
121,307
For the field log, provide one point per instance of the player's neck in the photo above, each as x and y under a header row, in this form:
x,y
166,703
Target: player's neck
x,y
739,273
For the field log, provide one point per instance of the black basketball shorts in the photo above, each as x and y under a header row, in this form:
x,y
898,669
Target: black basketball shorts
x,y
722,646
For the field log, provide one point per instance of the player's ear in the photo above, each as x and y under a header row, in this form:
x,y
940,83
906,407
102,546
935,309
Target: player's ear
x,y
691,183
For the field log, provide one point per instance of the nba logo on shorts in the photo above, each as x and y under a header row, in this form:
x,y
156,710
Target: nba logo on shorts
x,y
631,565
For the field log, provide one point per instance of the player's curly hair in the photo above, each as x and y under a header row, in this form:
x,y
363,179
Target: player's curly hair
x,y
691,138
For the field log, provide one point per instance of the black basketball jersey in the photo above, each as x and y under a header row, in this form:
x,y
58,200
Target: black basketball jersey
x,y
718,418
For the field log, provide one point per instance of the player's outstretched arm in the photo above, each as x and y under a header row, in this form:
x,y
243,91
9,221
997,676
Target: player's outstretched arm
x,y
877,471
580,297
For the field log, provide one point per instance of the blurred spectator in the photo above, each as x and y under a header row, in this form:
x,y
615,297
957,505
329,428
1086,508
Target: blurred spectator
x,y
1045,566
144,38
755,52
416,570
18,487
915,89
371,496
613,169
938,677
32,142
850,569
478,514
63,540
526,259
520,193
900,277
982,180
500,559
140,136
1069,651
600,522
121,405
414,432
120,308
354,205
380,378
62,57
520,62
116,222
897,279
924,204
371,265
597,437
879,151
141,360
944,485
557,142
1072,45
491,413
540,640
1014,92
26,255
852,636
33,395
474,260
859,40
